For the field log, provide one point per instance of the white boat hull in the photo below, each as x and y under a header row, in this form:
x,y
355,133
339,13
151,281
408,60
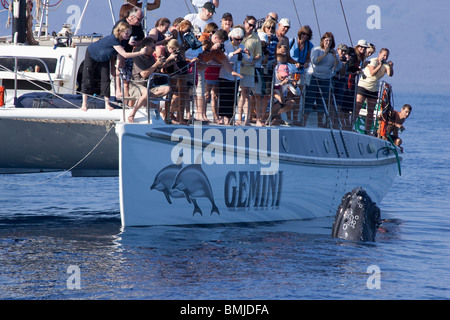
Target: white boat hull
x,y
310,182
59,139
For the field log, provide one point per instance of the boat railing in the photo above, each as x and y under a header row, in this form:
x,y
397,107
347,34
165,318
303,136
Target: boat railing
x,y
27,73
337,106
154,102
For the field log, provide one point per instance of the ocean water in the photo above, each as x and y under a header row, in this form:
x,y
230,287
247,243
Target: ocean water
x,y
60,238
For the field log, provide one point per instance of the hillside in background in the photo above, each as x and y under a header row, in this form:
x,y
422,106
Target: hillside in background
x,y
414,31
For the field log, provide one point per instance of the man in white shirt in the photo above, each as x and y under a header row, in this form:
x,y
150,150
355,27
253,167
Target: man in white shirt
x,y
200,3
201,19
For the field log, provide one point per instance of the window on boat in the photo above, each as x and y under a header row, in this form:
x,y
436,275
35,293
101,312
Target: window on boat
x,y
28,64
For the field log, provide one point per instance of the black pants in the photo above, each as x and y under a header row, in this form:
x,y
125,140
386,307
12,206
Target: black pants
x,y
88,79
227,97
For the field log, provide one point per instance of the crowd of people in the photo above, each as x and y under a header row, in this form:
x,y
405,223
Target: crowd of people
x,y
217,59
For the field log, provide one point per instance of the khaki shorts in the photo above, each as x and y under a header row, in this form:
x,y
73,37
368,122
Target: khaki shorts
x,y
136,90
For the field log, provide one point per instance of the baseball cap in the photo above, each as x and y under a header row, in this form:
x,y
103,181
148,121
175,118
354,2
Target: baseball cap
x,y
285,22
210,7
227,15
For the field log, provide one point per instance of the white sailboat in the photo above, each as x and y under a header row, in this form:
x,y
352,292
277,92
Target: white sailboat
x,y
40,111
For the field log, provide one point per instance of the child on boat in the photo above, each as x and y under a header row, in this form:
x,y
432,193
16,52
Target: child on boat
x,y
285,91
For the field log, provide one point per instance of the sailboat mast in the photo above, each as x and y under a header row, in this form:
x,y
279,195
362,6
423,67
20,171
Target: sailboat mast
x,y
19,23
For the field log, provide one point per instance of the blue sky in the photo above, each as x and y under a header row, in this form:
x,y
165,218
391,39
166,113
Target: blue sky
x,y
414,31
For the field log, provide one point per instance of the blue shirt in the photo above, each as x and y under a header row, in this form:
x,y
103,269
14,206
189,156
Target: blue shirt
x,y
297,54
103,50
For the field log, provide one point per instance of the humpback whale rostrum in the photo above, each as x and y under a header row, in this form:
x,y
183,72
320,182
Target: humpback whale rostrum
x,y
357,218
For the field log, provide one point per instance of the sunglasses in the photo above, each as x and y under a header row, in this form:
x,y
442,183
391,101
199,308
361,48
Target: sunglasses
x,y
238,39
251,25
271,28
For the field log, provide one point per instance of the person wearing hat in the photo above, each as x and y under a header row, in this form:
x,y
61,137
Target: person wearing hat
x,y
360,50
284,57
199,22
202,18
198,4
227,22
228,83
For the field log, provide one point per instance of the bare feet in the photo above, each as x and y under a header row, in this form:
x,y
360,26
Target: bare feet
x,y
109,107
83,108
130,119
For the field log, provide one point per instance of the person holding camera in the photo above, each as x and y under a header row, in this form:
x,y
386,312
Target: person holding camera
x,y
143,67
228,84
340,81
368,84
324,61
300,49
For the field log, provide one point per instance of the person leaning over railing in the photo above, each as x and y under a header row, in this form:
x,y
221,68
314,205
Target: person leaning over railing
x,y
143,67
99,54
394,123
178,69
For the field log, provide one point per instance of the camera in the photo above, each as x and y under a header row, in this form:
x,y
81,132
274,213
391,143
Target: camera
x,y
179,57
222,47
344,58
190,41
383,61
239,57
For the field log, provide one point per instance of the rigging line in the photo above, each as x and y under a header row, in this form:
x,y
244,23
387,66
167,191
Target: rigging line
x,y
296,12
317,19
187,6
68,170
346,23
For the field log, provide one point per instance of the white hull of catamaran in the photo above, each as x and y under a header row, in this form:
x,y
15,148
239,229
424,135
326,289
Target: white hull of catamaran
x,y
309,182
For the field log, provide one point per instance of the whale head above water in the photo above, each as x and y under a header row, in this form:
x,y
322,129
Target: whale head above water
x,y
357,218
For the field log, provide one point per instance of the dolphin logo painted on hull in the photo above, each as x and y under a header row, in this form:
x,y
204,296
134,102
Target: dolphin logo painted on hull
x,y
164,180
189,182
193,181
